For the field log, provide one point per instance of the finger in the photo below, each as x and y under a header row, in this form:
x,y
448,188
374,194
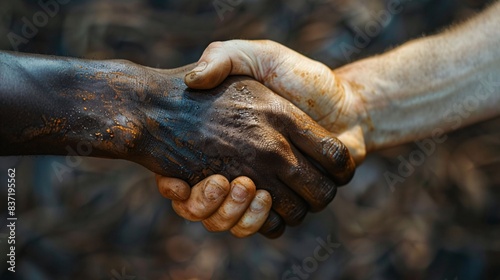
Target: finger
x,y
233,207
173,188
314,186
319,144
255,216
206,197
286,203
273,227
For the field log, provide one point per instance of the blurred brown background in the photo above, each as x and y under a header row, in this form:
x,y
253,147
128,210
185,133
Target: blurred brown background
x,y
104,219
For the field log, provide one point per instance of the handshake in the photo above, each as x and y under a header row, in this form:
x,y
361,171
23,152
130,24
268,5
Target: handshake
x,y
200,125
256,160
247,134
297,158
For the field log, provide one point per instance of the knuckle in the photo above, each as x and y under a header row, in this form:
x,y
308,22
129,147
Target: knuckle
x,y
245,182
211,226
220,180
196,211
182,210
243,226
277,149
220,222
250,222
193,217
215,45
225,218
295,172
240,232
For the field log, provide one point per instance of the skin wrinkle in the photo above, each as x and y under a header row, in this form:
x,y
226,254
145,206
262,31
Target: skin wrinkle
x,y
259,72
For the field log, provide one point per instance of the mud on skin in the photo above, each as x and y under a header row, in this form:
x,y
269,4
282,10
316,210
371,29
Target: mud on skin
x,y
242,128
149,116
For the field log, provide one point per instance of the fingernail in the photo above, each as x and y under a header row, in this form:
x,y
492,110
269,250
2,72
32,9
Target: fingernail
x,y
213,190
200,67
257,205
239,193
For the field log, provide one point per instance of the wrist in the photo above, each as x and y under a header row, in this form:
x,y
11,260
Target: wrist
x,y
112,108
353,119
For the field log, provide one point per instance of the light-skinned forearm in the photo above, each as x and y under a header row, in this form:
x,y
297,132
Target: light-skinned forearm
x,y
429,86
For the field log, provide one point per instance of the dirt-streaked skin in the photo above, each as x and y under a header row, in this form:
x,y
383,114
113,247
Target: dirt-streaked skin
x,y
149,116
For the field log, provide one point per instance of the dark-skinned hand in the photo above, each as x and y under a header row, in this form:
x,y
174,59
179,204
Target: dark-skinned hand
x,y
241,128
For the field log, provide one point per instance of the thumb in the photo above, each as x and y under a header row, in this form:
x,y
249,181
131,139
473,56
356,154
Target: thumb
x,y
235,57
213,67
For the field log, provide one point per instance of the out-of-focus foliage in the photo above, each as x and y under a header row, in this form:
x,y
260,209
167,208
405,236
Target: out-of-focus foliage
x,y
105,219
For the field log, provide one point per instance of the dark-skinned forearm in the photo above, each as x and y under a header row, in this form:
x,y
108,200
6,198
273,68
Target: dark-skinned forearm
x,y
48,103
